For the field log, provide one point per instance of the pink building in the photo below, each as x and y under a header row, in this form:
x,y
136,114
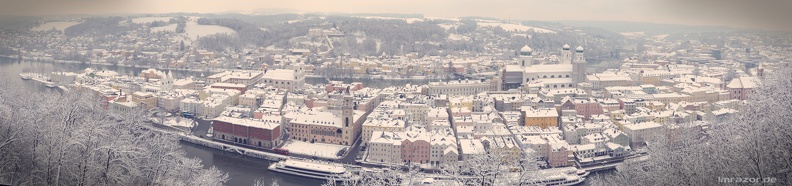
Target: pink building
x,y
558,153
740,88
415,146
584,107
415,151
334,86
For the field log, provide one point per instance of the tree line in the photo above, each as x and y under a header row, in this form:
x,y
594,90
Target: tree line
x,y
70,139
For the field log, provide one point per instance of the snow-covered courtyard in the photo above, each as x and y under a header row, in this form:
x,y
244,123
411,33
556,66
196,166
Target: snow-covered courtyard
x,y
179,122
314,149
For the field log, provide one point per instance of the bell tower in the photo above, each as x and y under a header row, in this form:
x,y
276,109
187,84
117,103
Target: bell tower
x,y
526,56
349,129
579,66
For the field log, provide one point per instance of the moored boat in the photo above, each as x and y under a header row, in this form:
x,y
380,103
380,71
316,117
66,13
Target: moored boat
x,y
313,169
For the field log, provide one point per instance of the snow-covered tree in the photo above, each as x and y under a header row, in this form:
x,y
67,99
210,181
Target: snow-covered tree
x,y
493,167
69,139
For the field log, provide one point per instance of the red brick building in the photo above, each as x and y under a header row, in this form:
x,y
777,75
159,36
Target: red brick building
x,y
249,132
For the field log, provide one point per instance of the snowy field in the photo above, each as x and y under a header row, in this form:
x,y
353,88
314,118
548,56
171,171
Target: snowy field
x,y
408,20
150,19
661,37
512,27
457,37
168,28
442,18
194,30
446,26
313,149
57,25
632,34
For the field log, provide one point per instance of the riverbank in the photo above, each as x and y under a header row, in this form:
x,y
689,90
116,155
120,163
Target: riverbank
x,y
217,70
111,64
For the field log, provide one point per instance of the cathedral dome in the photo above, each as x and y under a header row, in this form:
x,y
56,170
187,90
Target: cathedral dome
x,y
566,47
579,49
526,50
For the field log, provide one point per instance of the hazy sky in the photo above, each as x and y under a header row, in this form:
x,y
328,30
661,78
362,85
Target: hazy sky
x,y
709,12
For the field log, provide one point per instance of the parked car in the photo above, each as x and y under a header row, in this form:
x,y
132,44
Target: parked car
x,y
281,151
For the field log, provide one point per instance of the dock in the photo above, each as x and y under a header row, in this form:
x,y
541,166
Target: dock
x,y
232,148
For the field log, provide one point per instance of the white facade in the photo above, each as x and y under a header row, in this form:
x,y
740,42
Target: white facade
x,y
384,147
443,147
284,79
462,87
641,132
191,105
215,105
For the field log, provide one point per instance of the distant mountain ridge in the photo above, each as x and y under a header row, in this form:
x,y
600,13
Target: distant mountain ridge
x,y
648,28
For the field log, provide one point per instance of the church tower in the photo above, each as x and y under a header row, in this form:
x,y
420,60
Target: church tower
x,y
526,56
350,129
167,82
566,55
579,66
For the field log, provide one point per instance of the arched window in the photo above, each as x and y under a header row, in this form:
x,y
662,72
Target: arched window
x,y
555,86
562,86
570,85
552,76
545,76
567,76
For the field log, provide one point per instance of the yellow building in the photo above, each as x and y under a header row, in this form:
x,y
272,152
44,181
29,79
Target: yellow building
x,y
648,79
667,98
146,99
461,102
657,106
542,118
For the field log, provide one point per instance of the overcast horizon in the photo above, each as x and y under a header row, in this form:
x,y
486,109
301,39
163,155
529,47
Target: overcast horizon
x,y
767,14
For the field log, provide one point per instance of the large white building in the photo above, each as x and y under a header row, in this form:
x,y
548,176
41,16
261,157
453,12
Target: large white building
x,y
641,132
570,71
284,79
247,77
462,87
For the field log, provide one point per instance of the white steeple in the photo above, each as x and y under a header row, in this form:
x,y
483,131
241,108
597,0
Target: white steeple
x,y
566,55
526,48
579,55
526,56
